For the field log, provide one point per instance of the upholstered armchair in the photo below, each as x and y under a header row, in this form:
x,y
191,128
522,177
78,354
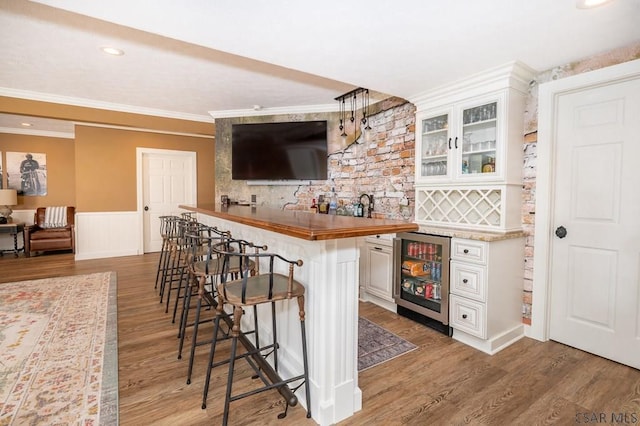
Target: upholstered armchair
x,y
49,233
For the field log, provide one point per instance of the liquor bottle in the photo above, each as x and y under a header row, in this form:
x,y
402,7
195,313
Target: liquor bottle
x,y
322,206
314,207
333,202
489,166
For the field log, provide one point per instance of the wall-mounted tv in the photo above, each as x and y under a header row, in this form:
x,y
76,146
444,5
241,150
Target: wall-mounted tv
x,y
279,151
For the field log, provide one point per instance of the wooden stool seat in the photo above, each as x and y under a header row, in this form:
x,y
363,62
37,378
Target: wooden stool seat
x,y
257,291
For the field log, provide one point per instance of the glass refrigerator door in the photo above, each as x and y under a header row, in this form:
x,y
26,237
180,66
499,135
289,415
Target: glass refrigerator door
x,y
421,274
479,139
435,148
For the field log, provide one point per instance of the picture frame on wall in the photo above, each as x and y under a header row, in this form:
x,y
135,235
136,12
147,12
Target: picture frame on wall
x,y
27,173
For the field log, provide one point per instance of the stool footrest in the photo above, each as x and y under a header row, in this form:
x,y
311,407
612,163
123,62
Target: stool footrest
x,y
262,363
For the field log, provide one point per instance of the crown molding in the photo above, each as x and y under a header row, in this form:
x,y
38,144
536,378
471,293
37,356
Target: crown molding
x,y
304,109
513,74
145,130
32,132
88,103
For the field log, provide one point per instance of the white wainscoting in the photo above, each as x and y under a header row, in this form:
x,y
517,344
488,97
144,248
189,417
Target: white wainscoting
x,y
107,234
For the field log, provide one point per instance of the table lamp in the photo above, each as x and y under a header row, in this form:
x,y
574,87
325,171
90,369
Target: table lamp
x,y
8,197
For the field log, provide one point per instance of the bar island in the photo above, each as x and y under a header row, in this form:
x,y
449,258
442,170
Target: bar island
x,y
328,247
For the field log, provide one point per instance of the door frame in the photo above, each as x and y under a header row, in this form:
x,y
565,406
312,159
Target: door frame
x,y
548,95
140,152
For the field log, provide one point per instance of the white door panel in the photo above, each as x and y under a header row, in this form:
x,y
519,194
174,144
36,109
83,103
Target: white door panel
x,y
595,269
168,180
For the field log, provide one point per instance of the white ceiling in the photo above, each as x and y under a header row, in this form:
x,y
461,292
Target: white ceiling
x,y
202,59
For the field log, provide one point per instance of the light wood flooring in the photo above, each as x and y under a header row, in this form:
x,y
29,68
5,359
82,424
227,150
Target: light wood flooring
x,y
443,382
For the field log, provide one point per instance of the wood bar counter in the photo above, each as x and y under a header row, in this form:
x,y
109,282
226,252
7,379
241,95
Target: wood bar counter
x,y
303,224
328,246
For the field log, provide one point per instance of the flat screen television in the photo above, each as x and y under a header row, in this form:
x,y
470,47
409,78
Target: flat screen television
x,y
279,151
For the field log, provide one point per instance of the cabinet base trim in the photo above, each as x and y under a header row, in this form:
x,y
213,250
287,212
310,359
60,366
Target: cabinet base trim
x,y
368,297
493,345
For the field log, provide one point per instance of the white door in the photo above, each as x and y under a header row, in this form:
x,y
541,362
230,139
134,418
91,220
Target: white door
x,y
595,267
168,180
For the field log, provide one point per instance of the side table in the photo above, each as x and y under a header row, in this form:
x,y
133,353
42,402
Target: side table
x,y
14,229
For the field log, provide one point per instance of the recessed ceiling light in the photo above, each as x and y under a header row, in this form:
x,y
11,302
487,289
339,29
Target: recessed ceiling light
x,y
112,51
25,124
590,4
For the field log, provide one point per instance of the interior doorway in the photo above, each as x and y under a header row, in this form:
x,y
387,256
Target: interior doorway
x,y
166,178
587,279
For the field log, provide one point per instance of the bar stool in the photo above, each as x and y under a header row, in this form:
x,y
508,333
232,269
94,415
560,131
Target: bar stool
x,y
204,268
174,265
246,290
164,248
189,216
201,263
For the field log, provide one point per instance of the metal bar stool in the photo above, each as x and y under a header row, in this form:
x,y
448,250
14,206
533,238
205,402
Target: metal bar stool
x,y
204,270
247,290
171,235
164,248
200,261
174,272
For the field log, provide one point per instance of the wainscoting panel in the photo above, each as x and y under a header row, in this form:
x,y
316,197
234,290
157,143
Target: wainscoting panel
x,y
107,234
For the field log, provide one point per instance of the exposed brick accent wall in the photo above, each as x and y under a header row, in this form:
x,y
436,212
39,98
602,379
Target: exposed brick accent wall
x,y
383,166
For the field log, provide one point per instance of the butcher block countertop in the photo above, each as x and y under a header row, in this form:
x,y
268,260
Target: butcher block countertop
x,y
302,224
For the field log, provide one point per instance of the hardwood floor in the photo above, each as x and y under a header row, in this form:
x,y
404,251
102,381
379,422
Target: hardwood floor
x,y
443,382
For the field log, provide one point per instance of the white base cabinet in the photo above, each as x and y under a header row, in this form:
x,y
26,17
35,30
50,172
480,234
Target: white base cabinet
x,y
376,284
485,305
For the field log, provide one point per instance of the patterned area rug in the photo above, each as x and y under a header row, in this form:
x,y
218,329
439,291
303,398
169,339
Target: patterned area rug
x,y
377,345
58,351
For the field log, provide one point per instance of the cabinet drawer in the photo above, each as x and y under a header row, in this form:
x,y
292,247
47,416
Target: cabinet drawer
x,y
469,281
382,239
468,316
469,250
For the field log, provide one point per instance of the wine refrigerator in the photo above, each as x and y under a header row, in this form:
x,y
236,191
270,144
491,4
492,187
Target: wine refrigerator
x,y
421,278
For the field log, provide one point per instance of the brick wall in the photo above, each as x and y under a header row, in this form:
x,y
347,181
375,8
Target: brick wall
x,y
382,166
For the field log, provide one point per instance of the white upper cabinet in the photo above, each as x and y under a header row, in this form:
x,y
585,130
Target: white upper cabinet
x,y
465,142
469,150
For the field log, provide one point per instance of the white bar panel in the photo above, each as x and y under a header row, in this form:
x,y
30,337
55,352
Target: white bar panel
x,y
330,276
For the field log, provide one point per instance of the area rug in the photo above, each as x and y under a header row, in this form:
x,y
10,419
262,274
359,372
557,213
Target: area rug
x,y
377,345
58,351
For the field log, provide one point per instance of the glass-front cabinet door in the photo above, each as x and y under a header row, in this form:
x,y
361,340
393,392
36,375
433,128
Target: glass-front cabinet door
x,y
461,143
435,146
479,130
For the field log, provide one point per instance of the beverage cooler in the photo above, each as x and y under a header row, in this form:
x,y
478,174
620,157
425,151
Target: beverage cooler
x,y
421,279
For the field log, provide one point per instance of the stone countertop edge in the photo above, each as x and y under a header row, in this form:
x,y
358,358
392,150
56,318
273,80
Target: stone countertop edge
x,y
471,234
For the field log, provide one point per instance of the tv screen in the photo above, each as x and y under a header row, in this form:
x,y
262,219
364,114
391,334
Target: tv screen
x,y
279,151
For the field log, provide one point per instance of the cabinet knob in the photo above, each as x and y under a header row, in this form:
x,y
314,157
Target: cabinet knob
x,y
465,280
465,251
464,316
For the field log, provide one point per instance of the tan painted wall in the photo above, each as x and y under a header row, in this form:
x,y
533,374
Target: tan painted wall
x,y
61,180
105,165
96,172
